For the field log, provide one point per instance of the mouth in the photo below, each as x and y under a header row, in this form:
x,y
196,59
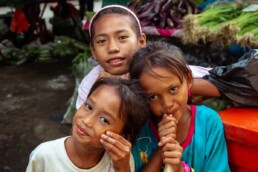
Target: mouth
x,y
171,113
116,61
81,131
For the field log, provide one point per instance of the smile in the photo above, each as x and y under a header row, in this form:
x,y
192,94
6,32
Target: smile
x,y
81,131
116,61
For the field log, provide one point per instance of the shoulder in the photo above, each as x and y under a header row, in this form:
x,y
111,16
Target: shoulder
x,y
208,116
47,148
94,72
91,77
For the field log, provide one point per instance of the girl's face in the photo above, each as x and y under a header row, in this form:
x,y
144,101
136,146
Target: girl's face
x,y
166,93
100,113
114,43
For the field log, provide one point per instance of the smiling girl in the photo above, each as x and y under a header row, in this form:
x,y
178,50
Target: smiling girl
x,y
102,127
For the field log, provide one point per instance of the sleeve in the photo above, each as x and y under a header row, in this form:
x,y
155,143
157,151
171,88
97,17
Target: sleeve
x,y
216,149
86,85
132,165
199,72
34,163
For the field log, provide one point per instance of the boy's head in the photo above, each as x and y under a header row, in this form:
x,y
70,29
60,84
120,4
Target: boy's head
x,y
112,105
115,36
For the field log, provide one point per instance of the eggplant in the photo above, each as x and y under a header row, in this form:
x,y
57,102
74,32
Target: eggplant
x,y
167,6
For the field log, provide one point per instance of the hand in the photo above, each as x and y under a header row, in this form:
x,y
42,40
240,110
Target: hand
x,y
119,150
106,74
167,126
171,153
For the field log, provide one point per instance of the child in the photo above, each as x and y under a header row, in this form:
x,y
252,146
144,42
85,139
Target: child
x,y
184,136
114,107
116,35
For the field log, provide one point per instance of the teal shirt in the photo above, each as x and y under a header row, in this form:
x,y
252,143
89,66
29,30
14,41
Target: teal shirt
x,y
204,149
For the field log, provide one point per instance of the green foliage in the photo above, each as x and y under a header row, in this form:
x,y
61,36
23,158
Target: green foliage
x,y
60,48
224,23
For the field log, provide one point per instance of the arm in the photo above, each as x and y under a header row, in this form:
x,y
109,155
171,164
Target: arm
x,y
155,162
205,88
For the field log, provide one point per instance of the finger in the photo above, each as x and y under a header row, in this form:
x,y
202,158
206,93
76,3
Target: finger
x,y
115,150
115,142
172,147
172,153
165,140
167,122
166,118
118,137
172,157
167,129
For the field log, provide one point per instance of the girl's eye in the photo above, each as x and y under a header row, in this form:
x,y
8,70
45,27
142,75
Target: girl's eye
x,y
123,37
104,120
152,98
101,41
88,106
173,89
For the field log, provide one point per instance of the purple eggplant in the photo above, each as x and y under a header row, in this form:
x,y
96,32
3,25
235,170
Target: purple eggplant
x,y
167,6
170,23
180,6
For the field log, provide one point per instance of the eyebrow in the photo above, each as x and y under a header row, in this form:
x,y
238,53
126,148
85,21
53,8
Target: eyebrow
x,y
116,32
105,112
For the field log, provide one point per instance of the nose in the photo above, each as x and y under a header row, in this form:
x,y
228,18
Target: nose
x,y
88,120
167,104
113,46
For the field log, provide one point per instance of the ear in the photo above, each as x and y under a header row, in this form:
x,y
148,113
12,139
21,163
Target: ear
x,y
93,52
189,80
142,40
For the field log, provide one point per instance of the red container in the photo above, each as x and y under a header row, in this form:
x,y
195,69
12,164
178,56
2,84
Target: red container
x,y
241,131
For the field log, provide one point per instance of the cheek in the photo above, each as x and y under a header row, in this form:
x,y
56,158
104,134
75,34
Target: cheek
x,y
156,108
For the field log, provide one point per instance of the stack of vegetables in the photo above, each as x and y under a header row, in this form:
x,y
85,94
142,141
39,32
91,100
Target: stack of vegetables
x,y
225,23
163,14
61,47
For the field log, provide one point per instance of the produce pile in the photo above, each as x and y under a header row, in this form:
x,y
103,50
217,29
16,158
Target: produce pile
x,y
163,13
225,23
61,47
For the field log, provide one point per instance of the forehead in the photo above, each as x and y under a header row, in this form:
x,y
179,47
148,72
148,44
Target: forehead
x,y
113,22
106,91
156,77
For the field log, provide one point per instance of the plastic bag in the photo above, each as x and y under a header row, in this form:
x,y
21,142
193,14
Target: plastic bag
x,y
238,82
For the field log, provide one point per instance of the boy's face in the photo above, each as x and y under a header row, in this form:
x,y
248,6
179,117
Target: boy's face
x,y
100,113
166,93
114,43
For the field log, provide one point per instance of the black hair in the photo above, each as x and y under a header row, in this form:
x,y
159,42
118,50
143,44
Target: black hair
x,y
116,10
133,108
159,54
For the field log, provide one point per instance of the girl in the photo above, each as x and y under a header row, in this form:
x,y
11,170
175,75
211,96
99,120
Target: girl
x,y
182,135
116,35
114,107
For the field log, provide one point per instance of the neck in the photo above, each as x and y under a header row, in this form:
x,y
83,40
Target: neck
x,y
84,157
183,125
